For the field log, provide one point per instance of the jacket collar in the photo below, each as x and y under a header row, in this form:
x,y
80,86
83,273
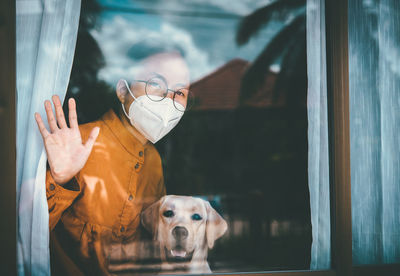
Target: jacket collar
x,y
127,139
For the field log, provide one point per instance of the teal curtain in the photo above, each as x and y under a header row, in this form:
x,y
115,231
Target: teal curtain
x,y
374,65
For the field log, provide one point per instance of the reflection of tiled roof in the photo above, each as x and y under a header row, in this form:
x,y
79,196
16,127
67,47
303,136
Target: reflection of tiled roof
x,y
220,90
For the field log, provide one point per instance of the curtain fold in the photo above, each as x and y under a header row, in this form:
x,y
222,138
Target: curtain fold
x,y
318,147
374,67
46,36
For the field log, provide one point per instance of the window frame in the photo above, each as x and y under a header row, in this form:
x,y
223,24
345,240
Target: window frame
x,y
339,144
8,237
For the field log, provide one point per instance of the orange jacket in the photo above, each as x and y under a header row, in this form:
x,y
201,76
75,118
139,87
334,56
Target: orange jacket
x,y
104,200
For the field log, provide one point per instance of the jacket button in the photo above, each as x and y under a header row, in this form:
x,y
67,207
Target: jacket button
x,y
130,198
140,153
137,166
52,187
122,229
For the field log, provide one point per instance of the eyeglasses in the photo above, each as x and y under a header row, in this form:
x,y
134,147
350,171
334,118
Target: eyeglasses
x,y
156,89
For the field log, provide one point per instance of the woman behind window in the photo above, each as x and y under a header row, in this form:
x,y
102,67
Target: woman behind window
x,y
102,174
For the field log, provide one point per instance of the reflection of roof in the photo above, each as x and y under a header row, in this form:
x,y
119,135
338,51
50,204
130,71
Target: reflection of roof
x,y
220,90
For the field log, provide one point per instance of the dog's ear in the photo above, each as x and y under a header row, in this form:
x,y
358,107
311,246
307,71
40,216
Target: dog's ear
x,y
149,217
216,225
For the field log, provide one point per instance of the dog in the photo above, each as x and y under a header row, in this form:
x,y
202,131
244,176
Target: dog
x,y
185,228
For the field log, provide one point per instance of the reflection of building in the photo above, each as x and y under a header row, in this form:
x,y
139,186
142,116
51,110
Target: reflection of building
x,y
253,156
220,90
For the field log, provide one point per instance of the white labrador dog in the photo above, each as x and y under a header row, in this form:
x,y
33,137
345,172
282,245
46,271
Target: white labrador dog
x,y
185,228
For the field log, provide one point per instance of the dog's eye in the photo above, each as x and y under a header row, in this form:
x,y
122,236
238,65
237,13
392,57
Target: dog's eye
x,y
196,217
168,213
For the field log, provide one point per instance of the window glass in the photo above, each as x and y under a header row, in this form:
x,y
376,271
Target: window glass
x,y
241,143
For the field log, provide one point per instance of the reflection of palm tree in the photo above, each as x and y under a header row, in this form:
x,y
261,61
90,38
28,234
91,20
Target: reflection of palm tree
x,y
289,44
93,96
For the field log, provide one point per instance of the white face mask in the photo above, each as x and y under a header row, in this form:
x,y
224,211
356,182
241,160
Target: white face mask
x,y
153,119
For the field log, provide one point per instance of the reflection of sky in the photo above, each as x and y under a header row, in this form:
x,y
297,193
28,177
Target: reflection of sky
x,y
132,29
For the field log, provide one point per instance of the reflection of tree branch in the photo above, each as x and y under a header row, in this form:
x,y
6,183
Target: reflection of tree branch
x,y
166,12
288,44
254,77
252,23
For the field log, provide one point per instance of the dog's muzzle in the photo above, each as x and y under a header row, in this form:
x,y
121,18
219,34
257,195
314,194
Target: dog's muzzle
x,y
179,253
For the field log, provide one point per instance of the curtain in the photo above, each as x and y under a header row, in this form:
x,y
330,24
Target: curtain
x,y
46,33
318,150
374,65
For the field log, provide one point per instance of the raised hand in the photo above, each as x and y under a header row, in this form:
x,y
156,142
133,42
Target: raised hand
x,y
65,151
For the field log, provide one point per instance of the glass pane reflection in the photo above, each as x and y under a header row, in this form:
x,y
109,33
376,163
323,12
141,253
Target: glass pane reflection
x,y
242,146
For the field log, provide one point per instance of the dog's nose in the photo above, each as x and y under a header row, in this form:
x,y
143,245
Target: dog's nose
x,y
180,233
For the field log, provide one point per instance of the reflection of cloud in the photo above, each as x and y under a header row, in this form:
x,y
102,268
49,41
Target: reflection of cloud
x,y
118,36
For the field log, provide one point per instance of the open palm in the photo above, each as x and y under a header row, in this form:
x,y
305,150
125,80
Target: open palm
x,y
65,151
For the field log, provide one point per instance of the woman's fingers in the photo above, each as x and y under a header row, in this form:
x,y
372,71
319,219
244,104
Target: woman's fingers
x,y
41,126
73,118
50,116
59,112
